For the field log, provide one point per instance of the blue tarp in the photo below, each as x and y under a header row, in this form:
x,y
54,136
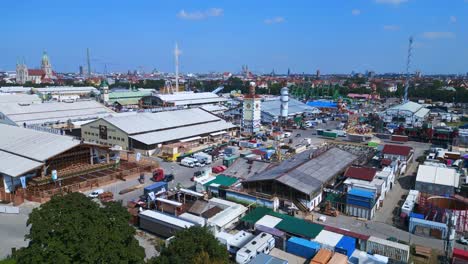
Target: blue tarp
x,y
361,193
322,104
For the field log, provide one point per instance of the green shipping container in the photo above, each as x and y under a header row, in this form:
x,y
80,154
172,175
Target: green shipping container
x,y
329,134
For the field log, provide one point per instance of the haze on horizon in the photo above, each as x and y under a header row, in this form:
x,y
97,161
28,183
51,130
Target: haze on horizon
x,y
333,36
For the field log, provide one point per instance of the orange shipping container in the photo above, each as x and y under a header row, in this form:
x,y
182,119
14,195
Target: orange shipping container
x,y
338,259
322,257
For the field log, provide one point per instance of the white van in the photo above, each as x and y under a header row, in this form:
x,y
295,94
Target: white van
x,y
263,243
195,161
187,163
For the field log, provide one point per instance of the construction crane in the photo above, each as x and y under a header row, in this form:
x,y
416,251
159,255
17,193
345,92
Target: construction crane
x,y
408,63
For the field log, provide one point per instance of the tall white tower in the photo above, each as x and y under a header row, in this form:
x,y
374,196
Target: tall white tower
x,y
284,102
176,54
251,114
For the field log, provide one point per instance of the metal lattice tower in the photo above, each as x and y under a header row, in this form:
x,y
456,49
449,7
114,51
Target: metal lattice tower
x,y
408,63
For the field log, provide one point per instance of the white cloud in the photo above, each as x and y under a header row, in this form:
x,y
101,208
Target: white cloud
x,y
391,27
453,19
198,15
355,12
438,35
392,2
274,20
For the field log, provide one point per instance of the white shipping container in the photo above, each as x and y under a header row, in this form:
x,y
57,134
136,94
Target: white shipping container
x,y
328,239
393,250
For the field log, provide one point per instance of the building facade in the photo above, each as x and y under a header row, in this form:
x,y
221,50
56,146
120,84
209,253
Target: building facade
x,y
43,75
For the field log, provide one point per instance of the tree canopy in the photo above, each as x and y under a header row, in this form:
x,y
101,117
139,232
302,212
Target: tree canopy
x,y
74,229
195,245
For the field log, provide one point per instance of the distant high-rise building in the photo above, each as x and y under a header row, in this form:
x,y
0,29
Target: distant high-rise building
x,y
417,74
289,71
370,74
317,74
81,70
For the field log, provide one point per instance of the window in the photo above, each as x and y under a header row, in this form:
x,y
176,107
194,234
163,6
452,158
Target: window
x,y
114,138
123,139
109,137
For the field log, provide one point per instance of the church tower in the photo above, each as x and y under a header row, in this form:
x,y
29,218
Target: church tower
x,y
46,66
104,89
21,72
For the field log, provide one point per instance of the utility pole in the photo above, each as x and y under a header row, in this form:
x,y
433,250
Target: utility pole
x,y
408,63
448,245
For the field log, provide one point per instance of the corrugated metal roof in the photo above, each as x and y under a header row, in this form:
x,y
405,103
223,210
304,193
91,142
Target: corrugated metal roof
x,y
408,106
146,122
187,96
361,193
33,144
18,98
292,225
178,133
128,94
396,150
149,214
54,111
366,174
267,259
14,165
269,221
305,174
438,175
295,107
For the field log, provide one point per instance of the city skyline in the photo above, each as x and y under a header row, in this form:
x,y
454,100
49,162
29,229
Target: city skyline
x,y
333,36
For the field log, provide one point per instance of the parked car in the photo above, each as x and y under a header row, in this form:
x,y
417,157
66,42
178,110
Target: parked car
x,y
218,169
95,193
463,240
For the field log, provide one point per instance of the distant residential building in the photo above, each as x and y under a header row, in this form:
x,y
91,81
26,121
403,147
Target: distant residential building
x,y
397,152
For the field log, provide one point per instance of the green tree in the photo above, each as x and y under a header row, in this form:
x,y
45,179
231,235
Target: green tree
x,y
74,229
193,246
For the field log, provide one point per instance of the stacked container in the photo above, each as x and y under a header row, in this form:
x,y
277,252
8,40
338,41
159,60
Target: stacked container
x,y
302,247
338,259
346,246
322,257
328,240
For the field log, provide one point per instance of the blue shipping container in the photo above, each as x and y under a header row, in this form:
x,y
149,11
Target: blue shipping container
x,y
302,247
415,215
155,187
346,246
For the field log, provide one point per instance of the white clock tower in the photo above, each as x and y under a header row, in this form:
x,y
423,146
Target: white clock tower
x,y
251,114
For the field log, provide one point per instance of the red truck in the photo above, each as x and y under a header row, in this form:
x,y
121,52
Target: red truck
x,y
158,175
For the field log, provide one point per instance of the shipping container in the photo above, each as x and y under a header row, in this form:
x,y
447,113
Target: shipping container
x,y
393,250
346,246
460,253
329,134
322,257
290,258
399,138
327,239
156,188
338,259
302,247
360,212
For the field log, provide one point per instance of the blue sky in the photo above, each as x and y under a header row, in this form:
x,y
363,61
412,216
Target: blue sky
x,y
335,36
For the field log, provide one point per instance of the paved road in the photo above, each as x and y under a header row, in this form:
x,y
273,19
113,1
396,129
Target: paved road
x,y
13,228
